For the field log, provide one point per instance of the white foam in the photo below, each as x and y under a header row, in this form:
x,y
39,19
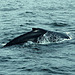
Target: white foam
x,y
46,39
70,36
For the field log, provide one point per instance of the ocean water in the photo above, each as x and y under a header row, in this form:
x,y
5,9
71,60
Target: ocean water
x,y
20,16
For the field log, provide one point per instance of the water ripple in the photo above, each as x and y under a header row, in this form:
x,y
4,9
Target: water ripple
x,y
18,17
5,59
8,9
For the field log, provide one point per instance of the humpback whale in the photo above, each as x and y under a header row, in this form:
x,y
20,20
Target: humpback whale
x,y
37,35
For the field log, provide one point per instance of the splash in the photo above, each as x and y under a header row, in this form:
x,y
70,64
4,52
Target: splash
x,y
70,35
50,38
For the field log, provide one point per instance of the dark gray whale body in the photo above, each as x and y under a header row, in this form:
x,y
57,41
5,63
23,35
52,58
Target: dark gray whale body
x,y
34,35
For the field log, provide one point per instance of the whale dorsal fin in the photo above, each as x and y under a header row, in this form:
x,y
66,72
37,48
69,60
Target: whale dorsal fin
x,y
35,29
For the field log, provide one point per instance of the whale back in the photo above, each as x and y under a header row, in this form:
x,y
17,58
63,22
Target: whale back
x,y
29,36
37,35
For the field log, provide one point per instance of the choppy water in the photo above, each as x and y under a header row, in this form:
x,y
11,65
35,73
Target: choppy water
x,y
18,17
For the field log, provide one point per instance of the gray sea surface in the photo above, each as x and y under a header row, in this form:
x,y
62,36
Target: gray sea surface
x,y
20,16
